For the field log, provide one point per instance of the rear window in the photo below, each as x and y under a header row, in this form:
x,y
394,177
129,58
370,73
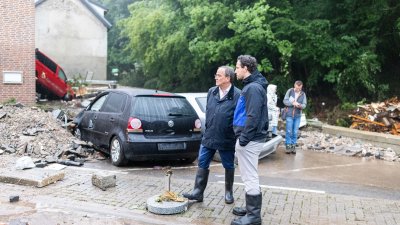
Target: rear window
x,y
202,102
158,107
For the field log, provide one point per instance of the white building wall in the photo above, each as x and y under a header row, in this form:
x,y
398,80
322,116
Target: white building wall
x,y
73,37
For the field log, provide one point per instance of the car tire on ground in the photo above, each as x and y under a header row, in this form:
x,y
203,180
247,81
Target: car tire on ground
x,y
67,97
117,152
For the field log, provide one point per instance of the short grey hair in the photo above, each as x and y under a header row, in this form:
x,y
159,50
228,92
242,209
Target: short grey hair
x,y
229,72
298,83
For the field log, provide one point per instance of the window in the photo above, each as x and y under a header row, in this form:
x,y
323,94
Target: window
x,y
98,103
61,75
202,102
159,108
46,61
115,103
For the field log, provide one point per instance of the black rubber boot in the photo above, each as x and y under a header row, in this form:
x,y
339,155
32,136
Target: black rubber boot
x,y
253,208
294,149
229,178
288,149
239,211
199,185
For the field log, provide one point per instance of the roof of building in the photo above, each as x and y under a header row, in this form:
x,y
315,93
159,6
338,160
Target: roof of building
x,y
92,8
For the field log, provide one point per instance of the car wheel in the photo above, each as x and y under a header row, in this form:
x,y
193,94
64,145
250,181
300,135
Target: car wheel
x,y
117,152
67,97
78,134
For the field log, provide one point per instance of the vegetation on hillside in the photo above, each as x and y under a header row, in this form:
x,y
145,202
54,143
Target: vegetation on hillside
x,y
341,49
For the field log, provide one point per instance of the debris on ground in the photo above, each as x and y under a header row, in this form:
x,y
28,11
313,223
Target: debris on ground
x,y
14,198
170,196
382,117
315,140
25,162
34,132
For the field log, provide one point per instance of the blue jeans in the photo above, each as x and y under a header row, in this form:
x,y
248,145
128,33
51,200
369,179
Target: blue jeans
x,y
292,127
206,155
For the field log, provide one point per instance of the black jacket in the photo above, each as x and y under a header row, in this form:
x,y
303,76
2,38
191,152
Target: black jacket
x,y
219,133
251,113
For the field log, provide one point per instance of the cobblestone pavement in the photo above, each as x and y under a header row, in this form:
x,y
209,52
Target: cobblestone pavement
x,y
76,197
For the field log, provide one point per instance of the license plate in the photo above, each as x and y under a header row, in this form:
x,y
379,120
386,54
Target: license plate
x,y
171,146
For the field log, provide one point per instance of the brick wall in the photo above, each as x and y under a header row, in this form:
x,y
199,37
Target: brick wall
x,y
17,49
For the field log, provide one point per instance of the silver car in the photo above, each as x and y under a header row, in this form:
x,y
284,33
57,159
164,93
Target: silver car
x,y
199,102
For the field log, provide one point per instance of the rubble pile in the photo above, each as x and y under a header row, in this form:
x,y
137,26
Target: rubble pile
x,y
26,131
336,144
383,117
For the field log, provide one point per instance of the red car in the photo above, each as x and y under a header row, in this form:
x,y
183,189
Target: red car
x,y
51,80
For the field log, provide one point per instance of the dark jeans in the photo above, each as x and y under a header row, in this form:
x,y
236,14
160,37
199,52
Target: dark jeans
x,y
206,155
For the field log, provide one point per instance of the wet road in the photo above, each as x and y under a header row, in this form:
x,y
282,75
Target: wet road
x,y
306,171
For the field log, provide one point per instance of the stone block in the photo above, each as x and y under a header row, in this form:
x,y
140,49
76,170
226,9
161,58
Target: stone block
x,y
14,198
104,180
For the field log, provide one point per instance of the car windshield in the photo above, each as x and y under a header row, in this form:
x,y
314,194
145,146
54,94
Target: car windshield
x,y
202,102
160,107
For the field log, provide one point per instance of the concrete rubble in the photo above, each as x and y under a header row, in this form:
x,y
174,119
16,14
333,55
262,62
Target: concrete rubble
x,y
317,141
44,136
33,132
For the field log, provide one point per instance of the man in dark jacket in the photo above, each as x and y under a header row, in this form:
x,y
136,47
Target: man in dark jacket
x,y
218,135
250,123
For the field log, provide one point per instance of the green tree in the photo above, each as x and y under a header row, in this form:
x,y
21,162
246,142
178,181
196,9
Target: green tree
x,y
338,48
118,54
341,49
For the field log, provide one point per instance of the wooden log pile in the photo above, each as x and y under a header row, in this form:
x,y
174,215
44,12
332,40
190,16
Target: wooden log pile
x,y
382,117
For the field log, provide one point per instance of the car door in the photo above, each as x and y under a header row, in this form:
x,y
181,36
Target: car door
x,y
109,119
89,118
61,81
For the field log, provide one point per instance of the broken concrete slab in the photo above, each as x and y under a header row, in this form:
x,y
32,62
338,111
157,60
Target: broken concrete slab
x,y
34,177
2,115
349,150
55,166
24,162
335,149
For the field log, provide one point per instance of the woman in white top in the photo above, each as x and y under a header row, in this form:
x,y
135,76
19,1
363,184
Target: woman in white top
x,y
273,110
